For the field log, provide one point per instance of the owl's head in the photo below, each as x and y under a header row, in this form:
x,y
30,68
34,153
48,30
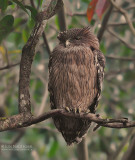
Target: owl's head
x,y
78,37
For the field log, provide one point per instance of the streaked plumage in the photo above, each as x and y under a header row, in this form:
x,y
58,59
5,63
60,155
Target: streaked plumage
x,y
76,71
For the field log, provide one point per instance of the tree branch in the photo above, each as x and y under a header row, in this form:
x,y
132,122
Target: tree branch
x,y
61,18
9,66
43,34
125,14
123,143
119,23
77,14
104,23
120,58
27,119
46,43
121,39
28,52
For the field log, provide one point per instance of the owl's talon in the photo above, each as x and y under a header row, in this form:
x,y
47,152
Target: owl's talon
x,y
88,111
79,110
75,110
67,109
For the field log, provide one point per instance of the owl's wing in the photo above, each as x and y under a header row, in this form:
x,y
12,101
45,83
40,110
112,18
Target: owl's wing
x,y
100,65
50,89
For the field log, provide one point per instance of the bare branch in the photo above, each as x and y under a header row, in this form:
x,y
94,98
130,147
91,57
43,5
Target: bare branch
x,y
43,34
132,6
123,143
27,119
44,99
119,23
32,3
125,14
120,58
104,23
28,52
9,66
121,39
61,18
18,137
76,14
46,43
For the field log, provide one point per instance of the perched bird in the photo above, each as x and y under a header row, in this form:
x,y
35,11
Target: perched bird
x,y
76,71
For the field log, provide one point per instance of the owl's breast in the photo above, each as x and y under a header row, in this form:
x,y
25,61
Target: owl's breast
x,y
73,78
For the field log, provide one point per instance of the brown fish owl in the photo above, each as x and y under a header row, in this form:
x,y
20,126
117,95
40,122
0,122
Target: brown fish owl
x,y
76,71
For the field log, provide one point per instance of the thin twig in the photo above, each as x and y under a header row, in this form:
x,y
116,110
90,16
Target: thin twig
x,y
32,3
132,6
46,43
123,143
76,14
44,99
104,23
119,23
18,137
125,14
121,39
120,58
9,66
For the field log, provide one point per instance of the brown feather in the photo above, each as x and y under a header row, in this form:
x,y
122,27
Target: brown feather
x,y
74,81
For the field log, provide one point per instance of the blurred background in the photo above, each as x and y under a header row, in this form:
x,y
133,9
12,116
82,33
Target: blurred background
x,y
117,42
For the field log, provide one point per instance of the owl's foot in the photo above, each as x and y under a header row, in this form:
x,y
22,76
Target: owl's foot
x,y
73,110
88,111
79,110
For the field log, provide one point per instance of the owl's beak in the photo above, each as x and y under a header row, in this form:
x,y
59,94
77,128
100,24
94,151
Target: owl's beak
x,y
67,43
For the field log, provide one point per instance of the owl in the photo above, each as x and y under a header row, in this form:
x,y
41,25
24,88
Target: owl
x,y
76,71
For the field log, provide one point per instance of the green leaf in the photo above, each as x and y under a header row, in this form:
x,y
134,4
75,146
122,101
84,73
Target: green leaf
x,y
53,149
41,1
7,21
18,38
86,1
57,22
33,12
5,26
20,5
3,4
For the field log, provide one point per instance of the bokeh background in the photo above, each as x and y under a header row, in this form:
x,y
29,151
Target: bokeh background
x,y
42,140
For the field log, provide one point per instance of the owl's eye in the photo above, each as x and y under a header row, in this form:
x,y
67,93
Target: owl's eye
x,y
78,38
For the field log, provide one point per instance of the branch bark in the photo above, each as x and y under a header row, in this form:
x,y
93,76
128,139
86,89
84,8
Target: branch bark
x,y
125,14
26,119
28,52
9,66
61,18
120,58
104,23
121,39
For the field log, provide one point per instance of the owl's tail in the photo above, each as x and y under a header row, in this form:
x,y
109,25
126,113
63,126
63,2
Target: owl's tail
x,y
72,129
